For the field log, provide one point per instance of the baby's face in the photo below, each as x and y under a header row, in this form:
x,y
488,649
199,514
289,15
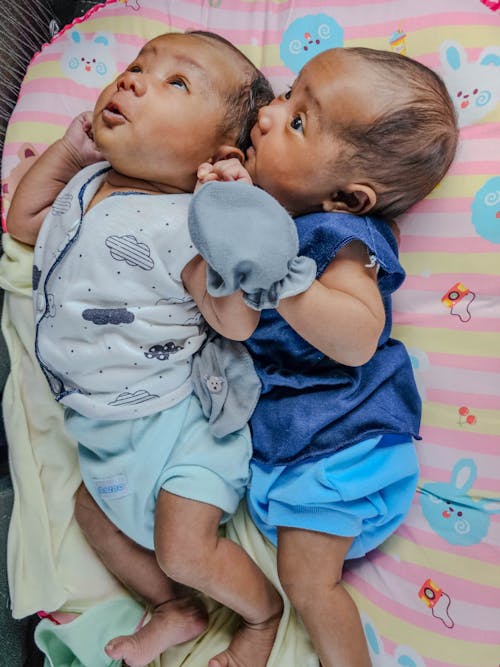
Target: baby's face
x,y
299,135
161,117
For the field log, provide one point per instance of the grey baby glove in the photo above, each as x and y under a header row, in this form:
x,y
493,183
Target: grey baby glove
x,y
249,242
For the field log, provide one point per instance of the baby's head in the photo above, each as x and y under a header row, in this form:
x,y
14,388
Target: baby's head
x,y
185,99
360,130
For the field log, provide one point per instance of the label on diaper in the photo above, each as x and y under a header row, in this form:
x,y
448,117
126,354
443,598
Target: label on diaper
x,y
113,487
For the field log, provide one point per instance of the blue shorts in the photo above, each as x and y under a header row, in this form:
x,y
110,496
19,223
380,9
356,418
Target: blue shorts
x,y
363,491
124,464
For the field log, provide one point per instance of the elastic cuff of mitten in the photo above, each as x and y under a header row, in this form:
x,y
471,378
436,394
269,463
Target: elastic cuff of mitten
x,y
299,278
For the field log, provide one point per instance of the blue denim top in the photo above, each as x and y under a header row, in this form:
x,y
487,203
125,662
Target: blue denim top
x,y
311,405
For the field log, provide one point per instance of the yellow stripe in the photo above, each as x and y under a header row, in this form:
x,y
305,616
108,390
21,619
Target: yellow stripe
x,y
473,343
424,263
429,40
440,415
455,565
430,645
127,25
35,133
459,185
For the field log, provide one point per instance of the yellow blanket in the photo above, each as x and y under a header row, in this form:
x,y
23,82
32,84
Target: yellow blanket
x,y
50,565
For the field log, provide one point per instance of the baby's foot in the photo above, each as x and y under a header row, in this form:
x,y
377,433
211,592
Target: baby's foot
x,y
172,622
251,646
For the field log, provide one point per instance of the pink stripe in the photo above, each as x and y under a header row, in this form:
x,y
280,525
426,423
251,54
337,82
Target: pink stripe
x,y
468,398
465,590
471,244
439,475
446,322
285,7
443,205
461,440
480,131
413,25
468,363
60,86
43,117
486,167
422,618
425,539
486,285
391,647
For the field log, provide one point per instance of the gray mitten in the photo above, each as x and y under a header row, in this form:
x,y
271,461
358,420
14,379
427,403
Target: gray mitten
x,y
249,242
225,381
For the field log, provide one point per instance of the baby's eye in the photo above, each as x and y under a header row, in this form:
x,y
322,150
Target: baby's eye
x,y
296,123
288,94
134,68
178,83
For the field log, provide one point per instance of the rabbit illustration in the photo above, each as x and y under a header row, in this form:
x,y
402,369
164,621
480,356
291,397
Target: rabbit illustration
x,y
452,513
404,656
89,62
474,87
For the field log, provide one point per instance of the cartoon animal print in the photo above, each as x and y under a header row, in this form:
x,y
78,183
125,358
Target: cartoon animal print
x,y
474,87
215,383
404,656
89,61
452,513
306,37
27,154
486,210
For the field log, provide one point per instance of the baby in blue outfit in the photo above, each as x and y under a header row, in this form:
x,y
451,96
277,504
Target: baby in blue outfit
x,y
360,137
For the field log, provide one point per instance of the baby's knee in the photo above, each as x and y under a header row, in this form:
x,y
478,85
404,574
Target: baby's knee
x,y
303,584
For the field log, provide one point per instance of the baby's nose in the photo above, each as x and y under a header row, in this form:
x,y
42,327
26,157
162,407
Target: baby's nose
x,y
265,119
129,81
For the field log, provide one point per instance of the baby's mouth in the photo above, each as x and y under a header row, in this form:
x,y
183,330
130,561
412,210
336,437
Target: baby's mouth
x,y
113,115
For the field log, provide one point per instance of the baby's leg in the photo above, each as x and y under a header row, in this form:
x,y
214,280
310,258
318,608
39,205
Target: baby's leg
x,y
178,615
310,570
190,551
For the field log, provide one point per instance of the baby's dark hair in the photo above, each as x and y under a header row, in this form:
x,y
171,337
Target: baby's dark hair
x,y
244,103
407,150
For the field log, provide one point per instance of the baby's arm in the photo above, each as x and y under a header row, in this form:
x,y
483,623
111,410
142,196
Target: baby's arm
x,y
342,313
228,315
42,183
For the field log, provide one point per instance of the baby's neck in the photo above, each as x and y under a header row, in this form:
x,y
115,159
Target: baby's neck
x,y
116,182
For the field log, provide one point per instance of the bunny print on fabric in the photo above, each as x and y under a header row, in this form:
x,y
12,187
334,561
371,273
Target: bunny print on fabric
x,y
474,87
452,513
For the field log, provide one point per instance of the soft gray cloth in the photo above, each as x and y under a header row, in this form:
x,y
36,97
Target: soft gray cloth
x,y
249,242
225,381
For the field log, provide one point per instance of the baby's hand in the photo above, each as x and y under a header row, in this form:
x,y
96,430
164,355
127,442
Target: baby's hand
x,y
79,140
223,170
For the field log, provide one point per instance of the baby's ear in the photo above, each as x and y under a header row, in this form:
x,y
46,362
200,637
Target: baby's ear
x,y
355,198
226,152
